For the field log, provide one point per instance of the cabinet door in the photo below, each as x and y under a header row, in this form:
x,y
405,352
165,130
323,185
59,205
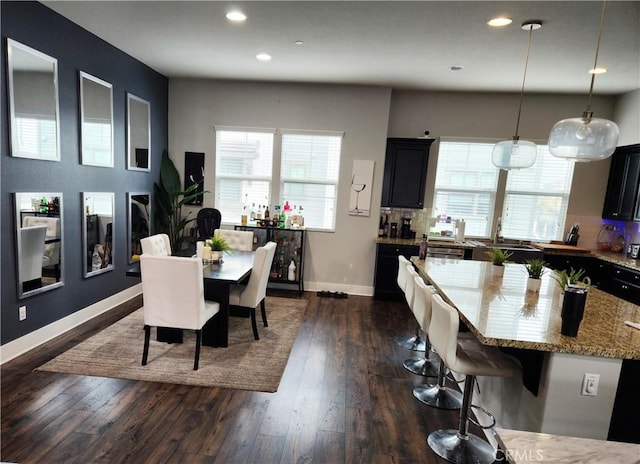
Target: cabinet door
x,y
386,276
405,172
621,200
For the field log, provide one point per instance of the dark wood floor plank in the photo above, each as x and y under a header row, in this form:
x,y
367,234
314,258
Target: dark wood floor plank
x,y
344,397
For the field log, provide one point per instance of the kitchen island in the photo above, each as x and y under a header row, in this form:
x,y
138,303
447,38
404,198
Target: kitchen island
x,y
500,312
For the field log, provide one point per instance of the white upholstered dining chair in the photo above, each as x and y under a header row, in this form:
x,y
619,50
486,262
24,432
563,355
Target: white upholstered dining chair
x,y
249,296
241,240
31,253
173,295
158,245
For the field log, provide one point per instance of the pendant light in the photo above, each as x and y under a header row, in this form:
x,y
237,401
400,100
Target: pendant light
x,y
586,138
516,153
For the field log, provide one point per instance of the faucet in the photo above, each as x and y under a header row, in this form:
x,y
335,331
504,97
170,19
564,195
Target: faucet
x,y
498,238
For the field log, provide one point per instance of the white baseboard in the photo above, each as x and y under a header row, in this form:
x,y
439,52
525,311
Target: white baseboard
x,y
362,290
27,342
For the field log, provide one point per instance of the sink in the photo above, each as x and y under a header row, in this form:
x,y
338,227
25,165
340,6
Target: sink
x,y
521,253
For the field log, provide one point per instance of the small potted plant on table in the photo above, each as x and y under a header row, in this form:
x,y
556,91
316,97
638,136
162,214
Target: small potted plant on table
x,y
218,246
535,269
498,257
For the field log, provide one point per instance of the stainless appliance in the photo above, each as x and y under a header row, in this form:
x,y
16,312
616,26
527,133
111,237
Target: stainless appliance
x,y
635,250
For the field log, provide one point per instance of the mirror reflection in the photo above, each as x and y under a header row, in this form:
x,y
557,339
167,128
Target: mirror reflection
x,y
98,232
39,242
139,222
33,102
138,133
96,114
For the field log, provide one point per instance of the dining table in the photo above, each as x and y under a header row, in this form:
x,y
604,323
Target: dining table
x,y
234,269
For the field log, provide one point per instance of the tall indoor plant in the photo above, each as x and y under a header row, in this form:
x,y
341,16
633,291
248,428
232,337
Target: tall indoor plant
x,y
169,199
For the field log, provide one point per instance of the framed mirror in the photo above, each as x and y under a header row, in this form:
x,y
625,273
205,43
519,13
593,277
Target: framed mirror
x,y
139,212
138,133
96,121
33,103
97,232
40,250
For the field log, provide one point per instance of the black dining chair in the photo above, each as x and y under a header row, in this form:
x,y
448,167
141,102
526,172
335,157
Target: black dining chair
x,y
207,220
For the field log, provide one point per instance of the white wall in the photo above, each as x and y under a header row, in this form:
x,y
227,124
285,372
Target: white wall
x,y
340,261
627,115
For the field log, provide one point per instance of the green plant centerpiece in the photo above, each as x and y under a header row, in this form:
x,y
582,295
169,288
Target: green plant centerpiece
x,y
562,277
169,199
535,268
498,257
218,246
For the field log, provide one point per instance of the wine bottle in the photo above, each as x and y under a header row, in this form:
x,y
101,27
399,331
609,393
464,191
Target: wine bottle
x,y
385,226
381,228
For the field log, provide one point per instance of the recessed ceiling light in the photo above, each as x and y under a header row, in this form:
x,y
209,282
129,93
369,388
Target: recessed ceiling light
x,y
298,42
598,70
456,68
263,56
499,22
236,16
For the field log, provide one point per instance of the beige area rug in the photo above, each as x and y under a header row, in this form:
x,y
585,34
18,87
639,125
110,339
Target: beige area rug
x,y
246,364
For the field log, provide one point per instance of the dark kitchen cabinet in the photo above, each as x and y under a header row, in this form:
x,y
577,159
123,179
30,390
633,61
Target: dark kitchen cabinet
x,y
625,283
405,172
386,284
622,198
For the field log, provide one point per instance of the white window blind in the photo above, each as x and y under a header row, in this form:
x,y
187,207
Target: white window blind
x,y
36,135
244,162
96,142
536,198
466,184
310,168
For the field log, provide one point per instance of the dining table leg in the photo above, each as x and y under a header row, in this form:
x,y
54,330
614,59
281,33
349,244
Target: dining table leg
x,y
216,331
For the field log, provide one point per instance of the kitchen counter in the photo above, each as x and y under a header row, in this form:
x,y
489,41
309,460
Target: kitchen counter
x,y
433,242
500,312
620,259
525,447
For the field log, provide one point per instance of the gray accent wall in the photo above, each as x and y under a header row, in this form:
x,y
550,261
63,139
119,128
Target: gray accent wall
x,y
37,26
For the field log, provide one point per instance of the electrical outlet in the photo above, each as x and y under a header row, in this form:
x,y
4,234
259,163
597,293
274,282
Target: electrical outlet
x,y
22,313
590,384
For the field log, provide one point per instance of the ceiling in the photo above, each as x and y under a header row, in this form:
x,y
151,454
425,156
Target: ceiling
x,y
409,45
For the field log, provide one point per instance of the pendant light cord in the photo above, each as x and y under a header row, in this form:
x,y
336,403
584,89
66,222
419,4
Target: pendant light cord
x,y
524,77
595,62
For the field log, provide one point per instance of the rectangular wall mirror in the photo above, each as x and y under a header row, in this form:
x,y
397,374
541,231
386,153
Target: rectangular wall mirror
x,y
39,232
96,116
139,206
33,103
138,133
97,232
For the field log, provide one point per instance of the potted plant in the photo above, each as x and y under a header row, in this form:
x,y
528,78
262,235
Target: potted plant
x,y
535,268
563,277
498,257
218,245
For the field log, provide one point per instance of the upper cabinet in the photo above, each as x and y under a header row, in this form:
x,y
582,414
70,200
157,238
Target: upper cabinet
x,y
405,172
622,199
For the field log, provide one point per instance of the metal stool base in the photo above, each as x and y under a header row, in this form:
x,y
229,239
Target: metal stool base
x,y
438,397
421,366
413,343
449,445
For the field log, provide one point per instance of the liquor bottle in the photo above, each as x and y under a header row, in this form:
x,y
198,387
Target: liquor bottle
x,y
385,226
266,212
252,214
282,220
287,208
259,213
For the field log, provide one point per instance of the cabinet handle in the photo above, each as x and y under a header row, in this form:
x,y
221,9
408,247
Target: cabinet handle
x,y
625,287
618,272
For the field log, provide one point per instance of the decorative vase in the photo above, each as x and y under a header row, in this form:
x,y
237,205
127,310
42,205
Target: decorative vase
x,y
533,285
216,255
497,269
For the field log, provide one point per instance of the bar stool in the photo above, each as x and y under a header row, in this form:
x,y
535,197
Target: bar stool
x,y
470,359
406,283
422,311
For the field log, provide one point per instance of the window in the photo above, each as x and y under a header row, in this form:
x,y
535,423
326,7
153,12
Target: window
x,y
536,199
465,186
244,161
36,135
310,168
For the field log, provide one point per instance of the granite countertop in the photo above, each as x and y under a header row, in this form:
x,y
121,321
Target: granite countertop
x,y
527,447
620,259
433,242
500,312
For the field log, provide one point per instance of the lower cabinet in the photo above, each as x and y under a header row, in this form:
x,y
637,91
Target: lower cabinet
x,y
289,249
386,286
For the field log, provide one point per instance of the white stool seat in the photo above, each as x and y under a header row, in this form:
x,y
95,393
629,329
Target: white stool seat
x,y
422,312
416,342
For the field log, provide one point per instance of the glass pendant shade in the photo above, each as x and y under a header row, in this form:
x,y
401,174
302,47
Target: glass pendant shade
x,y
514,154
583,139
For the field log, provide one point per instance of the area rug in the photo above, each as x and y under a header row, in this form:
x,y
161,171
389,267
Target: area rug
x,y
246,364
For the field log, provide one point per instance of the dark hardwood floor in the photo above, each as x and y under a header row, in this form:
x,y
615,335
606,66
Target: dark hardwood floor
x,y
344,397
